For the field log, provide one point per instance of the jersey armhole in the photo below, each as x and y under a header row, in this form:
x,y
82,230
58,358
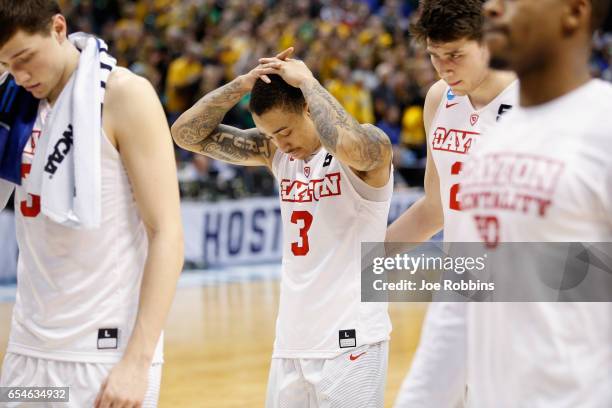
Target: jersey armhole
x,y
278,154
366,191
436,114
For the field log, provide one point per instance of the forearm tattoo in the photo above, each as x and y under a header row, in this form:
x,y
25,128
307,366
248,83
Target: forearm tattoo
x,y
235,145
340,131
208,113
203,132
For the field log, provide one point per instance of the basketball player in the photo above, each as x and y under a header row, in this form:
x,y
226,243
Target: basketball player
x,y
335,185
459,110
91,303
551,161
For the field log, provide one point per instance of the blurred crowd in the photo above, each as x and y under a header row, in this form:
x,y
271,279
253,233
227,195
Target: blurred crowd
x,y
360,50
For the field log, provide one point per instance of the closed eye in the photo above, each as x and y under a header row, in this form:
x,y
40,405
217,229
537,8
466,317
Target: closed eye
x,y
25,60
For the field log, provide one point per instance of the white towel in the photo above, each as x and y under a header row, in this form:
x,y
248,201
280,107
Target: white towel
x,y
66,170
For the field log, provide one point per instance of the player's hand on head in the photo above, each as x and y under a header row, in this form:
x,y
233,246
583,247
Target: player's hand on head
x,y
283,55
293,71
261,71
125,386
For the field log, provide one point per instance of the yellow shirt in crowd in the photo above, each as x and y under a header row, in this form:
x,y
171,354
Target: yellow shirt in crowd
x,y
180,72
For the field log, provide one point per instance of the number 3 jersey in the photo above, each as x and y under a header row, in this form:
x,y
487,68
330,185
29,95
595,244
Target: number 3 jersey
x,y
78,290
456,129
327,212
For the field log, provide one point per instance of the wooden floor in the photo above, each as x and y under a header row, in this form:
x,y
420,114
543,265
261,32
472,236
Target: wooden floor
x,y
219,342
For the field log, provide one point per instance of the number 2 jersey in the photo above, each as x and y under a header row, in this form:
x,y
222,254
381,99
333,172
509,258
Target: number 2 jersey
x,y
327,212
455,131
78,290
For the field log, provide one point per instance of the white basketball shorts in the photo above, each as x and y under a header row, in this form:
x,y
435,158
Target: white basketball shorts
x,y
355,379
83,379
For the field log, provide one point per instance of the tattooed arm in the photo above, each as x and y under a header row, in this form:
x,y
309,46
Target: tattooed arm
x,y
363,147
199,129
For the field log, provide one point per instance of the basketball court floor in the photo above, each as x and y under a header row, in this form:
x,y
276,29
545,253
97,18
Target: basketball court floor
x,y
219,335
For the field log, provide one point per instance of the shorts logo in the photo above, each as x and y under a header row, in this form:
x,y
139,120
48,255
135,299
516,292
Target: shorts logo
x,y
108,339
353,358
347,338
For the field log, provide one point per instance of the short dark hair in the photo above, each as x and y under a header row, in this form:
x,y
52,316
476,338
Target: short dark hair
x,y
276,94
600,17
448,20
31,16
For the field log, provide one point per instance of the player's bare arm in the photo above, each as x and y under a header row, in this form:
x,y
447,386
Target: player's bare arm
x,y
425,217
365,148
135,122
199,129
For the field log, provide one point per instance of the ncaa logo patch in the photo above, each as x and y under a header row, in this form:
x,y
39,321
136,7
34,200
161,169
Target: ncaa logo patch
x,y
307,171
450,95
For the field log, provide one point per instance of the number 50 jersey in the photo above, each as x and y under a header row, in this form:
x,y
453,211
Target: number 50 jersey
x,y
454,132
327,212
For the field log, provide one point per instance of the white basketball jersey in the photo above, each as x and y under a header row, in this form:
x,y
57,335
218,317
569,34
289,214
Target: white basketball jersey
x,y
544,175
327,212
78,290
454,132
